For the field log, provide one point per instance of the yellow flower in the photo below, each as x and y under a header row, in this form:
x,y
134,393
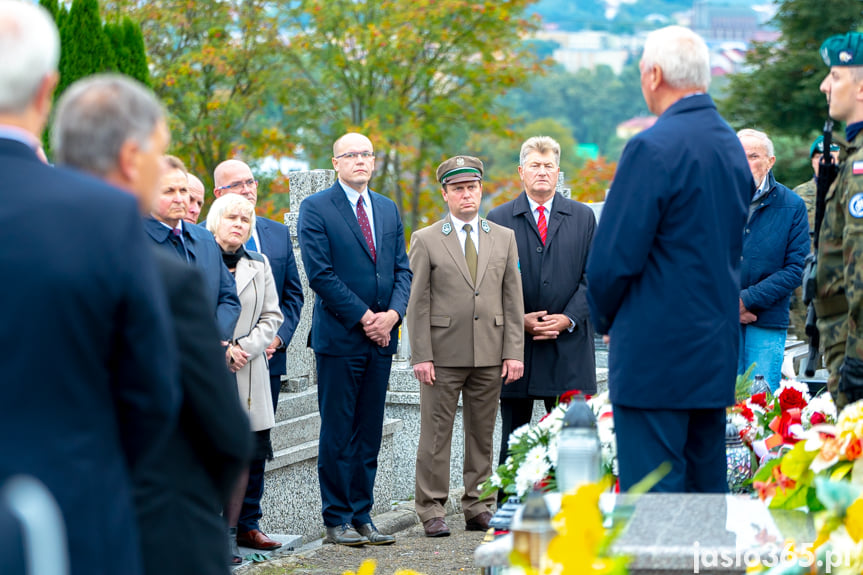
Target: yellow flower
x,y
851,420
367,567
854,520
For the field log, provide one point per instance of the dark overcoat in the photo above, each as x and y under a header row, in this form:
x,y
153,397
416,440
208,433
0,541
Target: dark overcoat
x,y
664,272
552,278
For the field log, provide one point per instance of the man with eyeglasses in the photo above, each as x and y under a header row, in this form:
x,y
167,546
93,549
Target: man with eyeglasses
x,y
273,240
553,235
353,249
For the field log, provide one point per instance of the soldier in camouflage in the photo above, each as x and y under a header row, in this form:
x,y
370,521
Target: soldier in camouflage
x,y
806,190
839,300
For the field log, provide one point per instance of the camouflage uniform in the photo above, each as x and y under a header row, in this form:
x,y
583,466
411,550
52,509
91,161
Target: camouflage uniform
x,y
806,191
839,300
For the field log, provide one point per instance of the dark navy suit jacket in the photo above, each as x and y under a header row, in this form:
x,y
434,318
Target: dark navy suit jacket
x,y
205,253
89,386
342,274
664,273
276,245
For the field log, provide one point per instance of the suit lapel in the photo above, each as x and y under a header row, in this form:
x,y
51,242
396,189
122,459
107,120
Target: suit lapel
x,y
521,207
244,274
486,245
558,212
343,206
452,244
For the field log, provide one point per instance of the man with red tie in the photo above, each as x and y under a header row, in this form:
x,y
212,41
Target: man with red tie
x,y
553,235
353,248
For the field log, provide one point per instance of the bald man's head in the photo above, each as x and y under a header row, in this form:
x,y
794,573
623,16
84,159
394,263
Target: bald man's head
x,y
196,192
235,177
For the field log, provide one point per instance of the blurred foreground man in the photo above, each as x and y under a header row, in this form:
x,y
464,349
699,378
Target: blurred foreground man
x,y
89,388
839,299
183,486
663,276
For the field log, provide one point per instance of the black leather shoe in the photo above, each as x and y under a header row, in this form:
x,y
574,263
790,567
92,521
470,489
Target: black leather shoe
x,y
345,535
435,527
478,523
375,537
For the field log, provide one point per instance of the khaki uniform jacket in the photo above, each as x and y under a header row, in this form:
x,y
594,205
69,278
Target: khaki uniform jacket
x,y
260,319
453,322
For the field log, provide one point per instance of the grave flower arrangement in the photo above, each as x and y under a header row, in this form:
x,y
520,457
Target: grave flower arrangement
x,y
771,424
825,451
532,458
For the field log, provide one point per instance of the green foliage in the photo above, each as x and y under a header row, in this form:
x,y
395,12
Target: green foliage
x,y
779,92
127,43
84,46
743,384
52,6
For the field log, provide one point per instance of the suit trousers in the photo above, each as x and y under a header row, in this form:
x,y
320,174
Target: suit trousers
x,y
250,513
480,389
351,395
515,412
692,440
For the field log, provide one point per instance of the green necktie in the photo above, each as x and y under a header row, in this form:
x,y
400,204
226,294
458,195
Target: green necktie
x,y
470,253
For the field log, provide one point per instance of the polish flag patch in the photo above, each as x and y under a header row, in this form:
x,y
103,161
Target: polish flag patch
x,y
857,168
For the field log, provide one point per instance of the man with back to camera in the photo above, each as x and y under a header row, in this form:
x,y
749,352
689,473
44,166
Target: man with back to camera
x,y
90,385
553,235
465,322
115,128
663,275
273,240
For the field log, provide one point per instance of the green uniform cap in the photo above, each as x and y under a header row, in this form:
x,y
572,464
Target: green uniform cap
x,y
459,169
843,50
818,146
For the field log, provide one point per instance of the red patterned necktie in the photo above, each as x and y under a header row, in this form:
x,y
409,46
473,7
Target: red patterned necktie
x,y
366,228
541,223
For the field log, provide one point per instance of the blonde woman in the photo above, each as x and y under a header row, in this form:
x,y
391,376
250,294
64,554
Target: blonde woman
x,y
231,219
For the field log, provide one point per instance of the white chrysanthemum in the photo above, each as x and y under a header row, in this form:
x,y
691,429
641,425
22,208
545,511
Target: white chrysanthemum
x,y
553,443
496,481
534,469
516,434
794,384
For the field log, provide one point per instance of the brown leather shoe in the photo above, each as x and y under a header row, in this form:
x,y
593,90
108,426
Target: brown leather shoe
x,y
257,540
436,527
478,523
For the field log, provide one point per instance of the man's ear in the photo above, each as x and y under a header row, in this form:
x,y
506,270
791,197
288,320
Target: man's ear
x,y
655,77
129,161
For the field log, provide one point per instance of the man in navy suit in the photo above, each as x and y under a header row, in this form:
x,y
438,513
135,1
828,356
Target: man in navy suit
x,y
663,275
193,244
90,382
182,487
273,240
353,249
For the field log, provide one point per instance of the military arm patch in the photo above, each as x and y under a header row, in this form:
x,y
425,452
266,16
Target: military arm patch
x,y
855,205
857,168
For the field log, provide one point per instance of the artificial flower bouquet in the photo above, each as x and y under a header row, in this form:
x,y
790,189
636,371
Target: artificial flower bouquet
x,y
771,424
532,458
825,451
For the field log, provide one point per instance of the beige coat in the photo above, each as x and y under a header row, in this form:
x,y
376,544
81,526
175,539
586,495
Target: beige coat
x,y
453,322
260,319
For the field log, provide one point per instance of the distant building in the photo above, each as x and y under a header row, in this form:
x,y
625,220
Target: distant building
x,y
719,21
590,48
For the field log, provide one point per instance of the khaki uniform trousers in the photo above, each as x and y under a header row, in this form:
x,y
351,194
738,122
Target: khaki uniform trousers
x,y
480,390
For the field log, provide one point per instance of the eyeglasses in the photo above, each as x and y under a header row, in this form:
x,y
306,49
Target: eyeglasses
x,y
250,183
355,155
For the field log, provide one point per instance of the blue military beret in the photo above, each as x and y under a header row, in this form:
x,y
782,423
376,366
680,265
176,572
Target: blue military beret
x,y
843,50
818,146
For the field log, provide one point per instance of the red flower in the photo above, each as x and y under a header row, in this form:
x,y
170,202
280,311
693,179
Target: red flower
x,y
759,399
746,412
817,418
790,398
567,397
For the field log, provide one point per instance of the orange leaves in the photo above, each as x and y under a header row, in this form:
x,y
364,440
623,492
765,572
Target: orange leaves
x,y
591,181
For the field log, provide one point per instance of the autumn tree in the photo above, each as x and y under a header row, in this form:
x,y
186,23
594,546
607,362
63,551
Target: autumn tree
x,y
778,91
417,76
218,67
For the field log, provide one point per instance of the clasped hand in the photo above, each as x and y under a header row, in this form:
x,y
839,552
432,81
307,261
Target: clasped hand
x,y
377,326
